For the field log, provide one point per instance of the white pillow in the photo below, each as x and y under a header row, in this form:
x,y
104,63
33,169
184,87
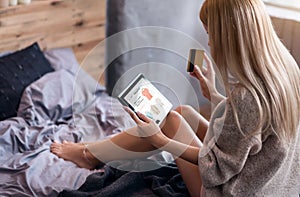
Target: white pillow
x,y
62,58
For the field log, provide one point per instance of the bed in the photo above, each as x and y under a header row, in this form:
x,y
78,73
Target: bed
x,y
47,94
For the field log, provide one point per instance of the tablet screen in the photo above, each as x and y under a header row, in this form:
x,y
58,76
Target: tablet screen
x,y
142,96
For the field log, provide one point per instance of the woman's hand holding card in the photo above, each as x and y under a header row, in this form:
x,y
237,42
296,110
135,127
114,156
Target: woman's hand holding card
x,y
206,76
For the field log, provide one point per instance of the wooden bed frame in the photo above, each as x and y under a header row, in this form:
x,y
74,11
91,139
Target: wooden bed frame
x,y
79,24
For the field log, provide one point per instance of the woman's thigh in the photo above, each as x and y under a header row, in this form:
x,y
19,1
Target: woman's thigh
x,y
177,128
197,122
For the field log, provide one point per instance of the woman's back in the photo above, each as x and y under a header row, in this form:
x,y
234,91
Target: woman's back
x,y
237,162
286,181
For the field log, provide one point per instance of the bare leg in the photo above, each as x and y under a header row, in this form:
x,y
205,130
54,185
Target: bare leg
x,y
128,145
197,122
125,145
189,172
175,127
120,146
75,152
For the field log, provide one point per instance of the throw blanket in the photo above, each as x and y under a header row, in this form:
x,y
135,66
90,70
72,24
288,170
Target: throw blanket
x,y
164,180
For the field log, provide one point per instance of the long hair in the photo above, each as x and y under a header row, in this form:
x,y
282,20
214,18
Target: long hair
x,y
243,43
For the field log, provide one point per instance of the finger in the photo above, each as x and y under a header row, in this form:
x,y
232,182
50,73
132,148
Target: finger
x,y
204,89
200,75
193,75
197,72
206,58
208,62
204,70
144,117
133,115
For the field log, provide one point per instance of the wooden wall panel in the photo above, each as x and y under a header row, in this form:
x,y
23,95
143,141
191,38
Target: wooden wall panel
x,y
79,24
53,23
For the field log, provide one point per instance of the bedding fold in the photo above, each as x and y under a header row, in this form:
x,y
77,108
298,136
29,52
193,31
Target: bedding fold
x,y
59,106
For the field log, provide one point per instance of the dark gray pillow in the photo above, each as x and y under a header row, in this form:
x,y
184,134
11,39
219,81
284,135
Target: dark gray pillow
x,y
17,71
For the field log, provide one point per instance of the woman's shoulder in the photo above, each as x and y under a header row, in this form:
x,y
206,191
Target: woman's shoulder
x,y
240,92
244,99
240,99
244,104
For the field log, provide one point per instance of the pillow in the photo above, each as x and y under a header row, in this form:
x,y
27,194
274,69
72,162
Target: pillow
x,y
62,58
65,59
18,70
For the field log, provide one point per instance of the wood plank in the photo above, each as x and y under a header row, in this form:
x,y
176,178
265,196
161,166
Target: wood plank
x,y
91,57
53,23
73,38
79,24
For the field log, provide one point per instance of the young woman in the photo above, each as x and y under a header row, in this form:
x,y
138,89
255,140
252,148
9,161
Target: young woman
x,y
251,144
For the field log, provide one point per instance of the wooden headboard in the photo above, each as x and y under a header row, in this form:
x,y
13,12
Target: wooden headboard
x,y
79,24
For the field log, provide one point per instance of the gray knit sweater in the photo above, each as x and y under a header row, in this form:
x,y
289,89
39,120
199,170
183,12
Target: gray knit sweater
x,y
234,165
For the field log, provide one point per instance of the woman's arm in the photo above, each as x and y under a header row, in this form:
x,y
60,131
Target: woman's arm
x,y
178,149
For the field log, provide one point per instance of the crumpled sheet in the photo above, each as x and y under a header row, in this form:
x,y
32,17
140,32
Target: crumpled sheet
x,y
59,106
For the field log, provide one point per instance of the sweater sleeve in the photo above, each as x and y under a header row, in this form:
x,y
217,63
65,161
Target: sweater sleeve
x,y
227,146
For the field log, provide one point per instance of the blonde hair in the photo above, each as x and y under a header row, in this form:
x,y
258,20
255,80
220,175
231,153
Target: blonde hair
x,y
244,43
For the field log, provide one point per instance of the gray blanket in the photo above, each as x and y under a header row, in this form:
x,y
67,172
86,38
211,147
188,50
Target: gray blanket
x,y
59,106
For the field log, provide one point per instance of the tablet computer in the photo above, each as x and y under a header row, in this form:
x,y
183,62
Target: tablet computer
x,y
142,96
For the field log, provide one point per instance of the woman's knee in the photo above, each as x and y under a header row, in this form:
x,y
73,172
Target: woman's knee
x,y
173,119
171,123
184,109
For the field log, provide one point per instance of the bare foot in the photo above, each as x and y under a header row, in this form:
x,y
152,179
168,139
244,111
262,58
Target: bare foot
x,y
74,152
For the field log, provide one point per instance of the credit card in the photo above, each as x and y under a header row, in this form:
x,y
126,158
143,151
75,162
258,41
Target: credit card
x,y
195,58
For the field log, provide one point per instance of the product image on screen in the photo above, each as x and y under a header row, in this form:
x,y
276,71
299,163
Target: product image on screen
x,y
142,96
